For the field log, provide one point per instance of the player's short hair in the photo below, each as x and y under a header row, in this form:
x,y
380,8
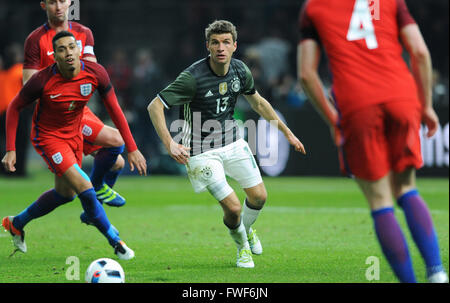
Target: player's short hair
x,y
221,27
45,1
60,35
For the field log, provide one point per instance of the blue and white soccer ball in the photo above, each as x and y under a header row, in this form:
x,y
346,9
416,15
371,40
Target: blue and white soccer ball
x,y
105,270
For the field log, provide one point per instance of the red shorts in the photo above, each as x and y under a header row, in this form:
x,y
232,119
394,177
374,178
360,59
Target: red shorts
x,y
379,139
90,128
59,154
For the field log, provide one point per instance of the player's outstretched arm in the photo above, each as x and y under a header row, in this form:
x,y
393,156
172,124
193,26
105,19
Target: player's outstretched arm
x,y
177,151
421,67
265,110
12,122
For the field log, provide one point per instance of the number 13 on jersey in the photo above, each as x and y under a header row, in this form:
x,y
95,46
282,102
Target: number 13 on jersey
x,y
222,104
361,26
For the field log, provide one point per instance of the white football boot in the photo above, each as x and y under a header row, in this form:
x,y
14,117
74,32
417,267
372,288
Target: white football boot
x,y
255,243
244,258
18,236
123,252
439,277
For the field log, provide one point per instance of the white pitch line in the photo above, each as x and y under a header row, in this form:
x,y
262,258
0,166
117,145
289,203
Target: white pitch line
x,y
290,209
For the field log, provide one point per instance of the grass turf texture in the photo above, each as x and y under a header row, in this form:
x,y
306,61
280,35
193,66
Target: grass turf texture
x,y
312,230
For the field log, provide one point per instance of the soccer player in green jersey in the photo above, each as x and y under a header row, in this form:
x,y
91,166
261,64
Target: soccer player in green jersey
x,y
211,147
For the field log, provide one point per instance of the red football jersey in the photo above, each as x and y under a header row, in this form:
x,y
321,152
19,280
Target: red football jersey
x,y
61,103
364,51
39,48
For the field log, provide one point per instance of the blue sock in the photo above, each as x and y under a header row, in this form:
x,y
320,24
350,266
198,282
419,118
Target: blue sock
x,y
96,214
111,177
393,244
46,203
103,162
421,226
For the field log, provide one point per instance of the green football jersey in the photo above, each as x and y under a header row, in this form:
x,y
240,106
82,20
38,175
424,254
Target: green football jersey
x,y
208,102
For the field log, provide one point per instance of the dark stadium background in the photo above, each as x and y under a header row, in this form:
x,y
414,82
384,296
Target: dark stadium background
x,y
145,44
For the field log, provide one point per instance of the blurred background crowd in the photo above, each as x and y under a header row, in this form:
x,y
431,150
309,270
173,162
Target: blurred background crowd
x,y
145,44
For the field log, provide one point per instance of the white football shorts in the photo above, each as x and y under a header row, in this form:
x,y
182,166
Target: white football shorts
x,y
234,160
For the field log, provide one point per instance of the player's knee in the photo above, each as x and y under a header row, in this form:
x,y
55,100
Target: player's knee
x,y
117,140
232,215
64,195
114,138
119,165
234,210
399,190
258,199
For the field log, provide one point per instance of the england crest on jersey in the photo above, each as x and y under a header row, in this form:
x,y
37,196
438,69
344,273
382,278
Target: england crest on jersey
x,y
86,130
57,158
86,89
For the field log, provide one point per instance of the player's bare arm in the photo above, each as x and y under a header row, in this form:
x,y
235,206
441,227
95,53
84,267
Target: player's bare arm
x,y
177,151
308,56
421,68
265,110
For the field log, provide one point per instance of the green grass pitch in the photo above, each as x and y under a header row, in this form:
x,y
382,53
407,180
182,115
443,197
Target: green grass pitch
x,y
312,230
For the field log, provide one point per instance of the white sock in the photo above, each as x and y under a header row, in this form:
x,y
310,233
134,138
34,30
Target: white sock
x,y
249,216
240,236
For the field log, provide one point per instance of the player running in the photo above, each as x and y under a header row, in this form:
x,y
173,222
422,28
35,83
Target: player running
x,y
63,90
209,88
104,143
375,113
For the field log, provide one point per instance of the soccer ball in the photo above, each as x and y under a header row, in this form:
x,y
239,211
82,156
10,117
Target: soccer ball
x,y
105,270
